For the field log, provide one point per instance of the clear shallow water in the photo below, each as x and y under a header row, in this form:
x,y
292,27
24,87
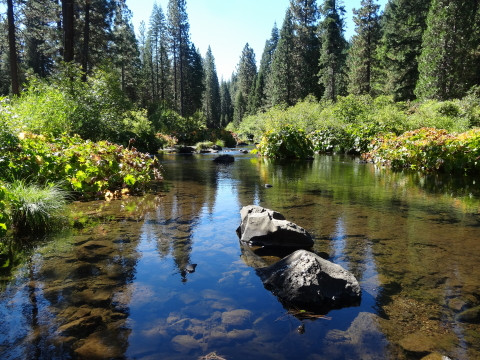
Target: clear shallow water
x,y
119,289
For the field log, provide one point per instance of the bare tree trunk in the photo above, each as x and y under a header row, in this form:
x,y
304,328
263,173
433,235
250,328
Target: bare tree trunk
x,y
68,32
12,49
86,40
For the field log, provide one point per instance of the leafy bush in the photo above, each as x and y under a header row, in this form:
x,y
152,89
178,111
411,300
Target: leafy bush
x,y
89,168
349,124
96,109
447,115
287,142
4,216
36,209
204,145
166,140
429,149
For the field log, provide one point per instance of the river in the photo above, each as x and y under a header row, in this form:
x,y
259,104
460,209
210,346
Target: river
x,y
116,287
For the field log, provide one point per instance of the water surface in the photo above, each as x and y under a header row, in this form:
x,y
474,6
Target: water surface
x,y
118,288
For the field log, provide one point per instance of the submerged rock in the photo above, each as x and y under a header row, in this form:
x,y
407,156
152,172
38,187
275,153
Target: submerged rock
x,y
471,316
305,279
265,227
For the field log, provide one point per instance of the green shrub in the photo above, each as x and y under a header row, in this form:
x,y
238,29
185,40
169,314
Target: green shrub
x,y
88,168
204,145
96,109
429,149
4,216
166,140
445,115
36,209
287,142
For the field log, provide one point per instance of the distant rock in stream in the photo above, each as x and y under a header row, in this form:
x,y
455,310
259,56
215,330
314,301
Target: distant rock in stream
x,y
265,227
224,159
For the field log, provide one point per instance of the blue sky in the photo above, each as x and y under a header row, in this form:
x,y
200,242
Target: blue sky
x,y
227,25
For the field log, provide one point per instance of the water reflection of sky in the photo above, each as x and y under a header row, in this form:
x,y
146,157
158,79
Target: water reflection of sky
x,y
223,306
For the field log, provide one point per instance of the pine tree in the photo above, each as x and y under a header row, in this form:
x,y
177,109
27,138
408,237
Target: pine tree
x,y
247,72
239,108
124,49
93,32
226,107
194,85
39,36
4,58
403,24
333,53
305,15
211,97
247,69
147,82
445,67
179,35
159,50
12,42
362,56
281,80
68,17
258,100
475,48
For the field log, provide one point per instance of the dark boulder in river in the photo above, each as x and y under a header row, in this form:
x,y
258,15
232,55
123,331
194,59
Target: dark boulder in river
x,y
265,227
224,159
305,279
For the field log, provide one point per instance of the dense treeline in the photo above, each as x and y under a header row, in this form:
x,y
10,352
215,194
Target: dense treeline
x,y
412,50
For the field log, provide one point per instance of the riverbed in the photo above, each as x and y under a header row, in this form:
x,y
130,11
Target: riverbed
x,y
117,285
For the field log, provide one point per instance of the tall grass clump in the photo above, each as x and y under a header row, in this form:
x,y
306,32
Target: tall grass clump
x,y
36,209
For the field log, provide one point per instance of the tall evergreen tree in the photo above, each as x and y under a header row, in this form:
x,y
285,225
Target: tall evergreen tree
x,y
194,85
240,108
475,47
403,24
4,58
179,35
159,51
333,53
68,17
12,44
281,80
124,49
147,82
39,36
445,66
211,97
258,100
226,106
246,73
93,32
247,69
305,16
362,56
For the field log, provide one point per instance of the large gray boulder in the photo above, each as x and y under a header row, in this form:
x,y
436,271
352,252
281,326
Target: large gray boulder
x,y
265,227
305,279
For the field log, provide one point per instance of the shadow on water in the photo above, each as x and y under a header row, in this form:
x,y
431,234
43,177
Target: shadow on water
x,y
121,287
